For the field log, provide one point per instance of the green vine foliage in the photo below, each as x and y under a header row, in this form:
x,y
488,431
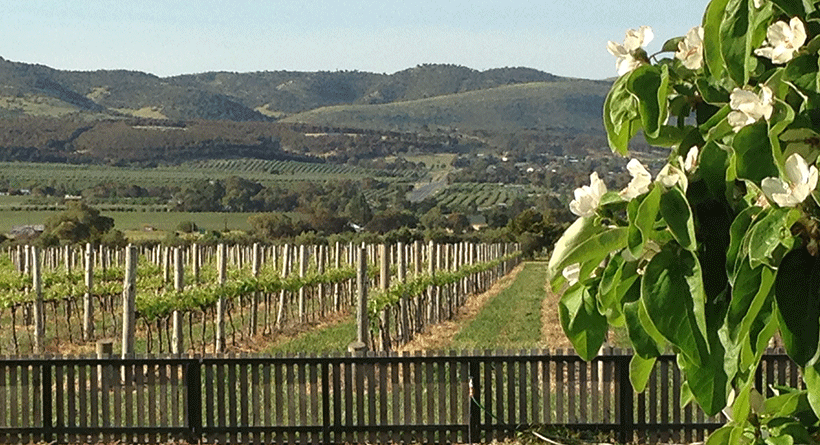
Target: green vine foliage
x,y
382,298
718,253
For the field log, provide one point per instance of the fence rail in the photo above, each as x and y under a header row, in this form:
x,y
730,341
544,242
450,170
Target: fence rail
x,y
378,398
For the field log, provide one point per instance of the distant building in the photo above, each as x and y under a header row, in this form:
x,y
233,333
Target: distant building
x,y
27,231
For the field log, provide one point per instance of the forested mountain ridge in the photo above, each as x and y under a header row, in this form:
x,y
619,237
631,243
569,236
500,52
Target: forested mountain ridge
x,y
131,117
236,96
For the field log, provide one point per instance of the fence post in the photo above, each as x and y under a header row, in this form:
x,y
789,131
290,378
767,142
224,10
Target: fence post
x,y
326,403
474,427
45,394
193,386
626,395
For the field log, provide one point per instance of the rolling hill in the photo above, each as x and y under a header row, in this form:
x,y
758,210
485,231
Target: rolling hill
x,y
117,116
567,104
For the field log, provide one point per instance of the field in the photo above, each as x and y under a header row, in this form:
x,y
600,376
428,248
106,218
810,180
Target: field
x,y
78,177
136,221
461,196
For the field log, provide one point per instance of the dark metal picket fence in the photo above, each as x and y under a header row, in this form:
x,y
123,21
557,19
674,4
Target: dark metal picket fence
x,y
378,398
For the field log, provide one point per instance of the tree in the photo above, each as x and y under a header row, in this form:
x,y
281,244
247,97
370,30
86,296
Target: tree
x,y
358,210
239,194
391,219
272,225
719,253
78,223
201,196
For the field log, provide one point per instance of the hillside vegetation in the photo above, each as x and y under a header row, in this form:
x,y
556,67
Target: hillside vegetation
x,y
28,89
568,104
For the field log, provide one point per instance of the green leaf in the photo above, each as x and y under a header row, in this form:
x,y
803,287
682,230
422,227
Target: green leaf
x,y
712,54
686,396
711,93
753,153
811,375
676,212
621,118
610,305
650,84
734,29
768,233
577,233
638,328
642,224
671,45
737,233
752,290
582,244
639,371
793,8
707,380
712,169
667,136
797,290
672,292
729,434
584,326
802,72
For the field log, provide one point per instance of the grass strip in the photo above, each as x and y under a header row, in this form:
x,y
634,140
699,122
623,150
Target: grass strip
x,y
511,319
333,338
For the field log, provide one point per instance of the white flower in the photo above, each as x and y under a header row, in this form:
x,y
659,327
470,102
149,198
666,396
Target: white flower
x,y
641,179
749,107
671,175
572,273
758,3
625,54
588,197
690,49
691,161
783,40
802,180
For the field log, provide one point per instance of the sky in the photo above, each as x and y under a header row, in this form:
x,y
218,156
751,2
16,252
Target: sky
x,y
169,37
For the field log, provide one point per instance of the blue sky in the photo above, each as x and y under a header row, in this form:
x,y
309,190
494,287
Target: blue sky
x,y
563,37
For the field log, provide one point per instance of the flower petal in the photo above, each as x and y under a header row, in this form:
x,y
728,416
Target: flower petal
x,y
797,171
798,31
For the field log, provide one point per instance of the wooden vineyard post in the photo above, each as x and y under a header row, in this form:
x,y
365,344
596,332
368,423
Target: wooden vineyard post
x,y
195,263
68,255
88,298
320,268
255,264
221,259
337,262
302,272
418,314
432,311
177,338
129,292
280,315
166,264
362,324
403,322
439,289
37,288
384,285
